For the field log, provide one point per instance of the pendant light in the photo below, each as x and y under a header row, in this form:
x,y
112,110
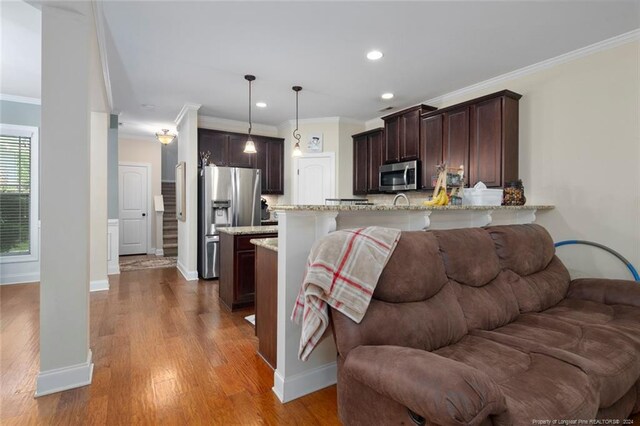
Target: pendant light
x,y
165,137
249,146
296,148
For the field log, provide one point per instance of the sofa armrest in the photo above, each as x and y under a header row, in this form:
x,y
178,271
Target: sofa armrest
x,y
609,292
443,391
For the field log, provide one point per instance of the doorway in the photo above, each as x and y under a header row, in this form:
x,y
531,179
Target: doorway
x,y
134,202
314,178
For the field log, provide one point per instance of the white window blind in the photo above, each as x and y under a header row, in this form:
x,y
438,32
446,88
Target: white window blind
x,y
15,195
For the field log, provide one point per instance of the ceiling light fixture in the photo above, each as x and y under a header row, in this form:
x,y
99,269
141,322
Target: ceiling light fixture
x,y
249,146
297,152
387,96
261,104
165,137
374,55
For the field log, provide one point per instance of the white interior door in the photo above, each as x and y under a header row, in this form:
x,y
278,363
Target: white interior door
x,y
133,199
314,178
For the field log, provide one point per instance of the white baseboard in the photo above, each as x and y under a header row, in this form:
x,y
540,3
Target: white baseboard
x,y
113,269
152,250
7,279
99,285
188,275
293,387
61,379
159,252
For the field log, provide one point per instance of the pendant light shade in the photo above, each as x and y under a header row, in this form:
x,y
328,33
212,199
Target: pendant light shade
x,y
249,146
297,152
165,137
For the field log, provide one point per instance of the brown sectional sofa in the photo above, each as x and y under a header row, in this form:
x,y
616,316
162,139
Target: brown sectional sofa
x,y
484,326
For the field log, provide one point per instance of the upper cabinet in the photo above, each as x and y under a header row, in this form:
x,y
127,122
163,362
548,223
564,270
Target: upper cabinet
x,y
227,150
402,134
367,158
480,134
431,129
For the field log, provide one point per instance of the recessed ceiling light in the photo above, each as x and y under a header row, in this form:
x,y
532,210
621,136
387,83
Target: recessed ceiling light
x,y
261,104
387,96
374,55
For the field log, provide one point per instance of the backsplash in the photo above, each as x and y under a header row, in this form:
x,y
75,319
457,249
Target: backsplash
x,y
415,197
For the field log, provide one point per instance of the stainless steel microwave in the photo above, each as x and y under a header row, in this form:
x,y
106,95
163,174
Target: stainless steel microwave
x,y
399,176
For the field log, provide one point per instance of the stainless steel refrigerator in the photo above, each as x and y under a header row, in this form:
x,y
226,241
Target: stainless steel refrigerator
x,y
227,196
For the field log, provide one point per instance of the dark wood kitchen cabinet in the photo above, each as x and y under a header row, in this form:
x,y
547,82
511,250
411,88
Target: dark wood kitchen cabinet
x,y
237,269
493,157
227,149
481,134
367,158
455,148
402,134
431,129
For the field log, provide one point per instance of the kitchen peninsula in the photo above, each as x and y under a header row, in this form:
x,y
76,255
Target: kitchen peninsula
x,y
237,263
299,226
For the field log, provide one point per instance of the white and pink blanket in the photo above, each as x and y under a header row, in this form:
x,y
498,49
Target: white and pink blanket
x,y
342,271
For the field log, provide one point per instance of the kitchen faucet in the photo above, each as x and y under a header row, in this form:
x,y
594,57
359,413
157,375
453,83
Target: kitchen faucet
x,y
400,195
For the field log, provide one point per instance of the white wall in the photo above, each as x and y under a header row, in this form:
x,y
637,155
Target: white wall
x,y
336,133
580,150
145,150
169,155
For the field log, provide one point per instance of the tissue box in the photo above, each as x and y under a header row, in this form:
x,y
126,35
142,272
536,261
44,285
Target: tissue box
x,y
481,197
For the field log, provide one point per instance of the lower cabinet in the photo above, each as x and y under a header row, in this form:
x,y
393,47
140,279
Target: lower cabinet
x,y
237,269
267,304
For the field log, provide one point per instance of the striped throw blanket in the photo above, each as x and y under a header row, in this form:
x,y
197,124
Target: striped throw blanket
x,y
342,271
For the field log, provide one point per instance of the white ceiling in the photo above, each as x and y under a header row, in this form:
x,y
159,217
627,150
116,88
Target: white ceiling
x,y
20,29
170,52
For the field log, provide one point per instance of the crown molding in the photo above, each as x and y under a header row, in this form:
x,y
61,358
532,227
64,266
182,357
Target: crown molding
x,y
98,16
609,43
185,109
539,66
20,99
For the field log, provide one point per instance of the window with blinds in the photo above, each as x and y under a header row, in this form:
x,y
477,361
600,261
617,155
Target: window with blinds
x,y
15,195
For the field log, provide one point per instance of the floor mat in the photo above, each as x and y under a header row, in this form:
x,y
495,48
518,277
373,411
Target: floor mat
x,y
135,263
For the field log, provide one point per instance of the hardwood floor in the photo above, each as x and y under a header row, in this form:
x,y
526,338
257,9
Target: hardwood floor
x,y
165,351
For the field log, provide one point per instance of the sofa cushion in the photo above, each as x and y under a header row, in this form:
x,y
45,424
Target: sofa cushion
x,y
525,249
543,289
469,256
611,359
414,271
491,305
624,319
533,384
428,324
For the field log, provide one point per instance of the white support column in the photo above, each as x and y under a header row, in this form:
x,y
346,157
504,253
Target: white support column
x,y
65,358
99,255
187,122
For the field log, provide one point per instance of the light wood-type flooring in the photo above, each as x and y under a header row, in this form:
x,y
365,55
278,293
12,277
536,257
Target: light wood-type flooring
x,y
165,352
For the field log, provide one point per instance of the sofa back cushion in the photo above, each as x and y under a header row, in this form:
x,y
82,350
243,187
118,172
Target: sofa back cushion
x,y
484,291
414,303
528,251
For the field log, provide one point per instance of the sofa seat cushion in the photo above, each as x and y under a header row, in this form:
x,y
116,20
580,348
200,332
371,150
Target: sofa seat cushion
x,y
623,318
533,384
610,358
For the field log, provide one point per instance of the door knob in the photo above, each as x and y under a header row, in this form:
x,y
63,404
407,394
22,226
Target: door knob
x,y
144,214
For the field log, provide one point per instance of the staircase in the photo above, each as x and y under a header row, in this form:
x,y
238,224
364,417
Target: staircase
x,y
170,223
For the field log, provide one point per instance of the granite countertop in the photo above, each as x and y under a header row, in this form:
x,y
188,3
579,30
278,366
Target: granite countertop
x,y
248,230
389,207
268,243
